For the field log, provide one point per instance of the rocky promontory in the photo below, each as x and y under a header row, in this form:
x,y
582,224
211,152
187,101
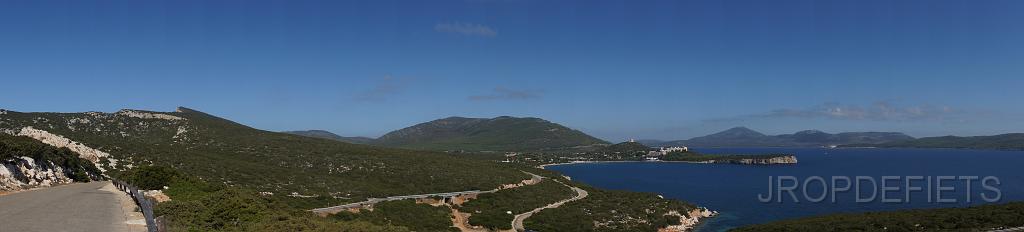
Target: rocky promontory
x,y
689,220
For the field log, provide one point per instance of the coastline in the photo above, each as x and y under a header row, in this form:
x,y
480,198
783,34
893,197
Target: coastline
x,y
543,166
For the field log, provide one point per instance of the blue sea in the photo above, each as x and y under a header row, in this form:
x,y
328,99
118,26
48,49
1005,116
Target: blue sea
x,y
733,190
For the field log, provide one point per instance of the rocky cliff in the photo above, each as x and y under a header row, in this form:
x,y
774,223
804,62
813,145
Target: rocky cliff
x,y
25,173
27,163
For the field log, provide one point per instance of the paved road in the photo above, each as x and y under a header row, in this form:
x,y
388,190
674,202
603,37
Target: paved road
x,y
517,222
335,209
74,207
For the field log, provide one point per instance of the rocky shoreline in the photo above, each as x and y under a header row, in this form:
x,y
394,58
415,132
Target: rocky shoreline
x,y
690,220
789,159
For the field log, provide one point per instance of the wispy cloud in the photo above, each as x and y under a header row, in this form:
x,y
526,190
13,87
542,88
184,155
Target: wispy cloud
x,y
383,88
502,93
879,111
468,29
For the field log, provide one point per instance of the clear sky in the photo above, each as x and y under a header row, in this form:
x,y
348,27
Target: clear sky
x,y
614,69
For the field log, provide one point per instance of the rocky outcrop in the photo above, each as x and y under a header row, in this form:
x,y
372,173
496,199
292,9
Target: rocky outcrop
x,y
147,115
688,221
55,140
25,173
156,195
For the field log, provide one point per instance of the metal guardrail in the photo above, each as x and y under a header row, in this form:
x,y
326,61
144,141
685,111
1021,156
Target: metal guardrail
x,y
140,200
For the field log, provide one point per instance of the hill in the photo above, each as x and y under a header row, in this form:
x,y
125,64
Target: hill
x,y
626,147
1013,141
324,172
328,135
481,134
746,137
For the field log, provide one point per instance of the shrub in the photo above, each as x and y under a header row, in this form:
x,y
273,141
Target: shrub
x,y
152,177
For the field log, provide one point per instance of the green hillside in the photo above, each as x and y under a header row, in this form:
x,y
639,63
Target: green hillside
x,y
496,134
325,172
627,148
999,142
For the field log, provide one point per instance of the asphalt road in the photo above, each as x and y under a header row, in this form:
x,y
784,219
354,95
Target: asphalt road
x,y
74,207
517,222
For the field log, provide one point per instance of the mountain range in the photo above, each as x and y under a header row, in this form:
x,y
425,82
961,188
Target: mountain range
x,y
332,136
533,134
1013,141
746,137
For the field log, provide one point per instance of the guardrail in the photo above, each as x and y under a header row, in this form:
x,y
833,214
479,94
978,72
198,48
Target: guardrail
x,y
140,200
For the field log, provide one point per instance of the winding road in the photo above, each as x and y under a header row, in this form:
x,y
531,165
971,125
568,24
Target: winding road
x,y
517,223
74,207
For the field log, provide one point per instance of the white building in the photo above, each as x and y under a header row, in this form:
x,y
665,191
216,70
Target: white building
x,y
672,149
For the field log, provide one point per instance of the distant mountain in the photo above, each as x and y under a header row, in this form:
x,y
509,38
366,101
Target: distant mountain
x,y
734,137
328,135
1001,142
745,137
482,134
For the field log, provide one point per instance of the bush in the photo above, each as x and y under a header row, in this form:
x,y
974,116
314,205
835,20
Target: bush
x,y
152,177
405,213
200,206
491,210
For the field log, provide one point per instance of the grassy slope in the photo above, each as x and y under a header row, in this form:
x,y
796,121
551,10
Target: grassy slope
x,y
490,210
201,206
613,211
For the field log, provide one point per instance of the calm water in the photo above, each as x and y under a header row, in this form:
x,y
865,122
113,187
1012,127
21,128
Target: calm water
x,y
733,189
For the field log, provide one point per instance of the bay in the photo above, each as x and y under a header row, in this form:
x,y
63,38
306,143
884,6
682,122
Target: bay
x,y
733,190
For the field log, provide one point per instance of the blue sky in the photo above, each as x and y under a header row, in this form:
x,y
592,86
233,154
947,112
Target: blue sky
x,y
614,69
